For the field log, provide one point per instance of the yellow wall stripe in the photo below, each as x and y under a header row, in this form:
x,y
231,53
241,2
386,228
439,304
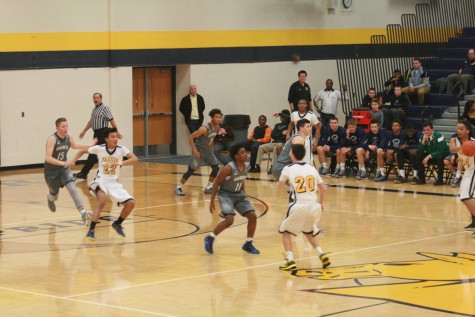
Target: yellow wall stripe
x,y
27,42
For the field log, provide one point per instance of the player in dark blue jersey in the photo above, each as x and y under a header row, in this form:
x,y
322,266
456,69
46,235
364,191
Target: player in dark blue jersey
x,y
330,144
352,144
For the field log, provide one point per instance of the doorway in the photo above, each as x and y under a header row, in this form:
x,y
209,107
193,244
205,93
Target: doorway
x,y
153,110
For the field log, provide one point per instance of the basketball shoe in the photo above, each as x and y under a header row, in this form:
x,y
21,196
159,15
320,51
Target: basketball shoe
x,y
118,228
90,235
248,247
289,265
325,260
209,244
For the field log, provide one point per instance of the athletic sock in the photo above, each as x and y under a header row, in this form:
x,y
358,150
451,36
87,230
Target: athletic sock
x,y
120,220
179,185
212,235
325,165
92,226
209,186
289,255
249,239
402,173
319,250
458,174
415,173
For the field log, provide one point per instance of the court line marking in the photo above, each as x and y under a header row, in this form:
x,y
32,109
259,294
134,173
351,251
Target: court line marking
x,y
67,298
378,215
264,265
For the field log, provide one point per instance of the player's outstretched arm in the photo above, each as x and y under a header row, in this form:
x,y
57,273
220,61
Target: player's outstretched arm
x,y
191,139
79,154
224,172
77,146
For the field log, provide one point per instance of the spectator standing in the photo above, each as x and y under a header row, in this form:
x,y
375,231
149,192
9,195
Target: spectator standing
x,y
299,90
99,122
192,107
465,74
329,98
223,142
418,81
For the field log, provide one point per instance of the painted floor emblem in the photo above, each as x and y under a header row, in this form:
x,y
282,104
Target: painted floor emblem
x,y
443,283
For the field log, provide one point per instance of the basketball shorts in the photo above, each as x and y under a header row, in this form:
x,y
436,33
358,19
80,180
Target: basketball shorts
x,y
206,156
113,189
57,179
467,186
302,217
230,202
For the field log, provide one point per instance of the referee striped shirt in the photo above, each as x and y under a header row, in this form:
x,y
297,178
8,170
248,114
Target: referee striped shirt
x,y
100,117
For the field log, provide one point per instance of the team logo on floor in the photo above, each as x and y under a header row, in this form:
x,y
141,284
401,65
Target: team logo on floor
x,y
442,283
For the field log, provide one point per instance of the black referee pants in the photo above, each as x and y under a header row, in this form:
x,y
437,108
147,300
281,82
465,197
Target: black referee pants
x,y
92,158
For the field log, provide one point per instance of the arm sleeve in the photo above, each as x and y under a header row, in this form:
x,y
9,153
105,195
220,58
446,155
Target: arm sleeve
x,y
266,138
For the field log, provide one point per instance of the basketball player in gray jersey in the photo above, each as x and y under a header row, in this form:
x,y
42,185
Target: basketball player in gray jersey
x,y
202,151
229,186
302,137
57,168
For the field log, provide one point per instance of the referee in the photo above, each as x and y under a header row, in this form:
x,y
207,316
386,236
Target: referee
x,y
99,122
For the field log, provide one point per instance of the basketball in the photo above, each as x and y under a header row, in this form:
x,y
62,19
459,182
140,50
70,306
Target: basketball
x,y
468,148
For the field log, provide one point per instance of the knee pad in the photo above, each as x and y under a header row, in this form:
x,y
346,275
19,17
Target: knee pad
x,y
214,170
188,173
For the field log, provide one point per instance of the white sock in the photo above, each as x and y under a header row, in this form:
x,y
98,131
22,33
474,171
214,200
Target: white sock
x,y
81,211
249,239
362,168
382,170
402,173
212,235
179,185
458,174
325,165
289,255
342,165
209,186
415,173
319,250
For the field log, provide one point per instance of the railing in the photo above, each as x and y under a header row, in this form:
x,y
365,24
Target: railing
x,y
430,27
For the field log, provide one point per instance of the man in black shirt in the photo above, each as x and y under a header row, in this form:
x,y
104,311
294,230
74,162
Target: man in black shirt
x,y
300,90
99,122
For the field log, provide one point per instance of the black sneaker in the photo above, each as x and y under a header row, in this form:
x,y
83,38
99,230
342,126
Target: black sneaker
x,y
80,176
470,227
439,183
415,180
400,180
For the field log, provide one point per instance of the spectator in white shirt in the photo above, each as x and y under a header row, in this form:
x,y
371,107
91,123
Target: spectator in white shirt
x,y
328,99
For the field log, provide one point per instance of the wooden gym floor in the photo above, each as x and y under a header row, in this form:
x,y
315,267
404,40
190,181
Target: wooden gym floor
x,y
396,250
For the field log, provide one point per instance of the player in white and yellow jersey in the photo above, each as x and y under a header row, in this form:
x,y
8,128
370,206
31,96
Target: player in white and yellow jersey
x,y
304,211
467,186
106,183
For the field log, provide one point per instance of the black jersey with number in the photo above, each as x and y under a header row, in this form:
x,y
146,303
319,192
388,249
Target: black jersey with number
x,y
60,152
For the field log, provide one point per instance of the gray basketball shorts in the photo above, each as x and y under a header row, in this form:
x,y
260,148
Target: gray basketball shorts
x,y
229,203
57,179
206,156
277,169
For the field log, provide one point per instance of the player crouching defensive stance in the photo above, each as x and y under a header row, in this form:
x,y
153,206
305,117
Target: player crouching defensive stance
x,y
231,196
304,211
106,183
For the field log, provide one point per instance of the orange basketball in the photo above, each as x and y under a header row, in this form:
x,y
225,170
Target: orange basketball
x,y
468,148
